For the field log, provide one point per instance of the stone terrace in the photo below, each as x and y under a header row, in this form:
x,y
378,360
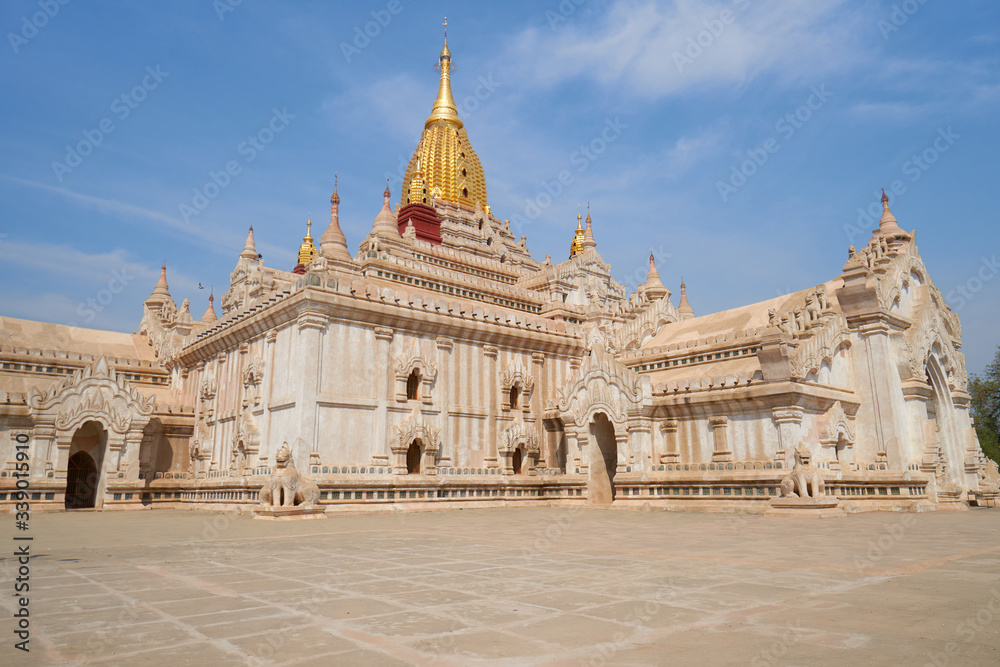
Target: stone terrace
x,y
525,586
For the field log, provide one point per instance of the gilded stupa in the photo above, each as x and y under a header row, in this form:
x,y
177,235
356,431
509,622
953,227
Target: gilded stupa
x,y
444,166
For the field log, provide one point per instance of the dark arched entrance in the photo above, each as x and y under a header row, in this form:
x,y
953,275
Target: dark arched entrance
x,y
603,461
81,481
413,455
518,460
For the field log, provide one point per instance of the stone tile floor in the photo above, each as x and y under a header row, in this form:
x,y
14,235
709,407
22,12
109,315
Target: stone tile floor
x,y
526,586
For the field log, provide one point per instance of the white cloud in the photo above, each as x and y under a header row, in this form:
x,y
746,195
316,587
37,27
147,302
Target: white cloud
x,y
131,212
645,45
387,104
92,270
691,149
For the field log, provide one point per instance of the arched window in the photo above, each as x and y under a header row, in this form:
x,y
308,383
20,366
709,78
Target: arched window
x,y
413,385
515,395
465,192
413,455
517,462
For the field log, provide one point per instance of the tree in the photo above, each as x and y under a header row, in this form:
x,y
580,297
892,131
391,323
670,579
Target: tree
x,y
985,392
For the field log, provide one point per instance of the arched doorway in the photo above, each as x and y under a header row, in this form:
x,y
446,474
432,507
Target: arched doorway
x,y
517,460
81,481
941,411
83,469
413,456
603,461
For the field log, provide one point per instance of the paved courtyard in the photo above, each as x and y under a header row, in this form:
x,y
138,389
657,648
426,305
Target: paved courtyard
x,y
531,586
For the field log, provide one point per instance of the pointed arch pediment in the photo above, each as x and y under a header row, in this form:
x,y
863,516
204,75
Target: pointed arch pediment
x,y
415,427
415,359
929,337
605,385
95,394
516,375
838,426
515,436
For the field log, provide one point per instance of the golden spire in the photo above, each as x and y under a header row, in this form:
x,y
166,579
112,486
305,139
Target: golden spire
x,y
444,165
307,250
445,108
576,246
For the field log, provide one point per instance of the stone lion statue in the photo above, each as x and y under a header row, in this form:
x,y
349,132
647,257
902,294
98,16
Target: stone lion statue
x,y
804,481
286,487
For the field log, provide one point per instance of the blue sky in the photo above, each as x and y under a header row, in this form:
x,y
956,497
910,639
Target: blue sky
x,y
833,100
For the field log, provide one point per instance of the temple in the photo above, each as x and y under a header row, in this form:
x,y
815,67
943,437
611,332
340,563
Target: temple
x,y
441,364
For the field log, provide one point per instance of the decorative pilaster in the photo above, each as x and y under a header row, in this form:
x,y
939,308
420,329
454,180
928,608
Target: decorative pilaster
x,y
621,445
384,381
671,452
537,366
443,401
789,422
311,325
491,352
720,436
267,391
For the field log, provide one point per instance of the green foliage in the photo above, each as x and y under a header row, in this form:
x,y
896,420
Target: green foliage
x,y
985,393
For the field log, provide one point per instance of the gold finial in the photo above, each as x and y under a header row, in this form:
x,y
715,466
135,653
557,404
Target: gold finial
x,y
445,108
576,246
334,198
386,193
307,250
